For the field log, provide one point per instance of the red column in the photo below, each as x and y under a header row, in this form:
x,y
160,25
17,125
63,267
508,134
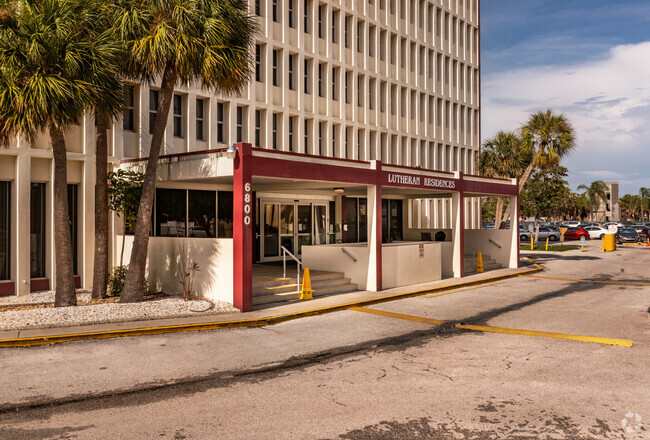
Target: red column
x,y
242,234
378,234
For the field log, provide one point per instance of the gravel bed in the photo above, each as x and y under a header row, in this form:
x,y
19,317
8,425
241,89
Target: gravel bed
x,y
164,307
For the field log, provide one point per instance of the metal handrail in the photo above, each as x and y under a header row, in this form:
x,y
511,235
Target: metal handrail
x,y
495,243
286,252
349,254
473,253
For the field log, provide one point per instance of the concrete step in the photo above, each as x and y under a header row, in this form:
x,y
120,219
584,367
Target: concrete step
x,y
339,286
316,283
318,275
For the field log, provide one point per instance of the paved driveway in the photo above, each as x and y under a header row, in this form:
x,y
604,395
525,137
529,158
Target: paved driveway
x,y
560,354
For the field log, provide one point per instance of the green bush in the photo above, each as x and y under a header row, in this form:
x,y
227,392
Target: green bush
x,y
116,280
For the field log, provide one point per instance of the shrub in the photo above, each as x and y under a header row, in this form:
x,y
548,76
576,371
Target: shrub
x,y
116,280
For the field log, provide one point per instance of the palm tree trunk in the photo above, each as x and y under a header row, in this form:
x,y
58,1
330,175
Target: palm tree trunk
x,y
100,268
65,294
134,283
498,215
522,182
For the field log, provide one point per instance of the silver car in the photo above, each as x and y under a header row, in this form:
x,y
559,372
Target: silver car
x,y
544,233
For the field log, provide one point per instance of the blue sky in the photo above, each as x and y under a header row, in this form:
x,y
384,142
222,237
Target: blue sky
x,y
588,59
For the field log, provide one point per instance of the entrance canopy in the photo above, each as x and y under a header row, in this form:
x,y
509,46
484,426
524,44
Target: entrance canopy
x,y
255,170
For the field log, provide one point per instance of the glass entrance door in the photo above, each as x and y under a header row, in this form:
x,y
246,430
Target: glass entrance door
x,y
320,224
291,225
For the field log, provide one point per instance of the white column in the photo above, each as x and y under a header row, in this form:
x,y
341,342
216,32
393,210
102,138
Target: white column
x,y
374,276
514,231
22,193
458,241
87,239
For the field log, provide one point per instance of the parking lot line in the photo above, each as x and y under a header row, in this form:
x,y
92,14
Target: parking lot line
x,y
510,331
581,338
398,316
627,283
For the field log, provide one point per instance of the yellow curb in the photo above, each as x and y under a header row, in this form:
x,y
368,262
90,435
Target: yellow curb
x,y
271,320
581,338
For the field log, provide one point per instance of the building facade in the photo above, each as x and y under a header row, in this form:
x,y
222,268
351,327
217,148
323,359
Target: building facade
x,y
609,209
392,81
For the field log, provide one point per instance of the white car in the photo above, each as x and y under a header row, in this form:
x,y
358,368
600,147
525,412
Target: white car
x,y
596,231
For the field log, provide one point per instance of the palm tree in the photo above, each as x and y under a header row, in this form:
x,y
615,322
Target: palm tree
x,y
550,137
596,193
503,156
184,41
106,110
54,65
644,193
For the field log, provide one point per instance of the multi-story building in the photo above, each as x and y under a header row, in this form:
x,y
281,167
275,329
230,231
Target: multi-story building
x,y
345,82
609,209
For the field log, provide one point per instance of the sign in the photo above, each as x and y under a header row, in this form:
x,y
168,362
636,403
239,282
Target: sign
x,y
582,240
562,231
612,229
247,204
421,250
420,181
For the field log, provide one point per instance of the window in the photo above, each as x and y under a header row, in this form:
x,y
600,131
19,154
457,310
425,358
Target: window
x,y
5,230
258,8
347,31
306,16
359,37
274,10
258,63
291,118
201,211
335,27
170,212
258,128
320,138
359,91
321,21
73,214
220,122
200,132
291,72
320,80
334,130
307,89
153,108
37,230
274,139
224,214
178,116
335,74
347,87
306,137
240,123
128,123
291,25
391,220
275,67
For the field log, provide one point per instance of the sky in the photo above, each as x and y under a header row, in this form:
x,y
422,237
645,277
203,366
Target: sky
x,y
587,59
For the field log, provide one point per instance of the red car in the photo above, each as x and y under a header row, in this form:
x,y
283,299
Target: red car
x,y
576,233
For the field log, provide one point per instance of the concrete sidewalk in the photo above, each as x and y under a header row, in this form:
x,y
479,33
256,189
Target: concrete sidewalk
x,y
268,315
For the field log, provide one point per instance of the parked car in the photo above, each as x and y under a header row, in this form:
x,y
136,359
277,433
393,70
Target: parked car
x,y
596,231
571,223
642,230
576,233
550,233
627,235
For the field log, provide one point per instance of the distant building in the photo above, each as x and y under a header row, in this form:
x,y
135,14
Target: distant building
x,y
609,210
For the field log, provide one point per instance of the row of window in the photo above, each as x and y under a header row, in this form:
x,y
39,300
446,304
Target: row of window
x,y
463,77
179,114
440,73
192,213
37,228
437,21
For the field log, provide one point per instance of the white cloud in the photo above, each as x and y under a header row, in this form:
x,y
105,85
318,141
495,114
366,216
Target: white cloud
x,y
607,100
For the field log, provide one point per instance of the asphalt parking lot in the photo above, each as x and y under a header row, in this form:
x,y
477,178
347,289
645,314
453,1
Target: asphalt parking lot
x,y
573,363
